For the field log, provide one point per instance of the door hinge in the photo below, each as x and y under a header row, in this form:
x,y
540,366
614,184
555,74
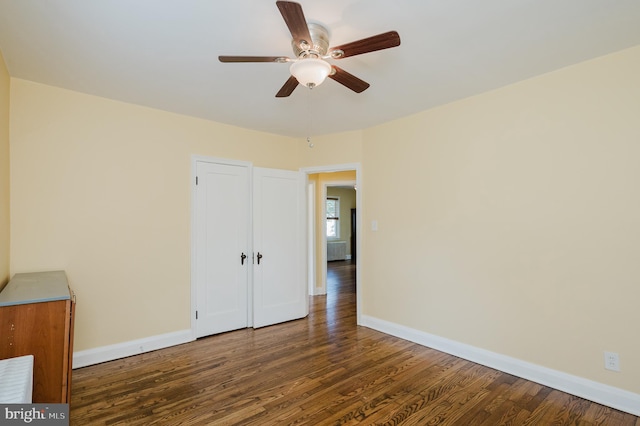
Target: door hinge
x,y
196,180
196,314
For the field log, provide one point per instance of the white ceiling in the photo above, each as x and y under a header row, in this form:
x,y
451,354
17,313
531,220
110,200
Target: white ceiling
x,y
163,53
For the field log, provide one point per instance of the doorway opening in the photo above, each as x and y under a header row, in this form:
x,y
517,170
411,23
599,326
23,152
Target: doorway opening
x,y
322,181
339,225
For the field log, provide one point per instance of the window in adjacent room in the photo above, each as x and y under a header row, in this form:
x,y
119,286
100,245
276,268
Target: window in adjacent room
x,y
333,217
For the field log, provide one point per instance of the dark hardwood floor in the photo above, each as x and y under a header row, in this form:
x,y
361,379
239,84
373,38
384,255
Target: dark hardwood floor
x,y
321,370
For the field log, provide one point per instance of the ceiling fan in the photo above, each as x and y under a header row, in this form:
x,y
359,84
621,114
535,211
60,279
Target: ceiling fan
x,y
311,48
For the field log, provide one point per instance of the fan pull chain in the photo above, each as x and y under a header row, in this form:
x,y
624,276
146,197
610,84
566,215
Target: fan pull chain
x,y
310,123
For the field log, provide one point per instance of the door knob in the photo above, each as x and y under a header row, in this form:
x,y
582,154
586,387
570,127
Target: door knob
x,y
242,258
259,257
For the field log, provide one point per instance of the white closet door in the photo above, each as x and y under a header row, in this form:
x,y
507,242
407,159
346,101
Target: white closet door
x,y
279,287
222,237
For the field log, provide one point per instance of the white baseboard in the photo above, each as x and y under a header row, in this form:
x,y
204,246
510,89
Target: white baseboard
x,y
317,291
594,391
133,347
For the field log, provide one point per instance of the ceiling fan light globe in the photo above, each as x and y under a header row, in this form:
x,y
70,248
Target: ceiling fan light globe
x,y
310,72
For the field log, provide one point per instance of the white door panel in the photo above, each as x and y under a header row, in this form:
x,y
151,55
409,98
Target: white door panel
x,y
228,294
222,235
279,288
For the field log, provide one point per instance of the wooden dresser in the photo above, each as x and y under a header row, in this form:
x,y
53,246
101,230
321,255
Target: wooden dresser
x,y
36,318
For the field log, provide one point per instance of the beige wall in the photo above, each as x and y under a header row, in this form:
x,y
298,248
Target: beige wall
x,y
510,221
4,172
339,148
102,190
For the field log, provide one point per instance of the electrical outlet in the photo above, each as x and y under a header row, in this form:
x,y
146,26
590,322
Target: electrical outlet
x,y
612,361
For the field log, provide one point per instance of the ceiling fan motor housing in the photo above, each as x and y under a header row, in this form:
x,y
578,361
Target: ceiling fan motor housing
x,y
319,43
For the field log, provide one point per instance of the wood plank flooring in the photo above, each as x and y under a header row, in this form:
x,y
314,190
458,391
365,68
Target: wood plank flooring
x,y
322,370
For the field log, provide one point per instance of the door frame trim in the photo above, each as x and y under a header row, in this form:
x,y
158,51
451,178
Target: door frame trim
x,y
343,168
195,159
311,236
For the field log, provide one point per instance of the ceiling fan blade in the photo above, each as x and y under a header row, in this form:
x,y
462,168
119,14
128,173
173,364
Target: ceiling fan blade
x,y
369,44
278,59
288,88
295,20
348,80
